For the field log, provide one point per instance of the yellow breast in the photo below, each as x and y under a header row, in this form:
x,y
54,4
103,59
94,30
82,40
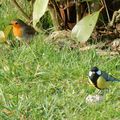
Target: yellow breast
x,y
102,83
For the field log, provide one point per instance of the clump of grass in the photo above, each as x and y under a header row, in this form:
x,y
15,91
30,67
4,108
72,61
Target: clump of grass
x,y
41,81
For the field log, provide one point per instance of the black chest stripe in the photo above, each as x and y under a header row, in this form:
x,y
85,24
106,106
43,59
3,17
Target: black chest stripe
x,y
94,80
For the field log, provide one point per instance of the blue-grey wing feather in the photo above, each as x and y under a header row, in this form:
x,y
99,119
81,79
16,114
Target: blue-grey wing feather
x,y
109,77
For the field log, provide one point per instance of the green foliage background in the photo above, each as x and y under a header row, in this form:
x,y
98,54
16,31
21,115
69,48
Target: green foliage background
x,y
42,82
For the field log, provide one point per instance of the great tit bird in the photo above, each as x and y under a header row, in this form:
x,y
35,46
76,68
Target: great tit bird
x,y
100,79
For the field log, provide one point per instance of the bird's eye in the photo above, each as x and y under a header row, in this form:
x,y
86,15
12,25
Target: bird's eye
x,y
16,23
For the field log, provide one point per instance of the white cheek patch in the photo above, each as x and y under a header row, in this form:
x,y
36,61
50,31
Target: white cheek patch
x,y
98,72
90,73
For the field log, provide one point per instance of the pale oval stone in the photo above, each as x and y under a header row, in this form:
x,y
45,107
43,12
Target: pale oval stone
x,y
94,98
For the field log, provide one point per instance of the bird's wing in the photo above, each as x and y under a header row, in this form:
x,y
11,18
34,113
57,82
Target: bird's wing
x,y
108,77
30,30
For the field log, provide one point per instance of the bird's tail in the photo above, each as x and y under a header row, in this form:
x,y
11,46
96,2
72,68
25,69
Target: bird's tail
x,y
109,77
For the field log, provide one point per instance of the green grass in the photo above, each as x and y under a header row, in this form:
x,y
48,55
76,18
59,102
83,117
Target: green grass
x,y
42,82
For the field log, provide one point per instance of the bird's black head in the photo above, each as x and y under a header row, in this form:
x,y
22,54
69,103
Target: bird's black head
x,y
94,72
94,69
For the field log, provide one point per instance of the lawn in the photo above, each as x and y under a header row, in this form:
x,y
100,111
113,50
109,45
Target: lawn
x,y
43,82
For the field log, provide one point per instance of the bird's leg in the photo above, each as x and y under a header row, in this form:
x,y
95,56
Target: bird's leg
x,y
20,43
102,92
99,92
106,91
27,41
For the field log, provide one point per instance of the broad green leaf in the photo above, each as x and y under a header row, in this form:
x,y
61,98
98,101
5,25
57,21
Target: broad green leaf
x,y
84,28
39,9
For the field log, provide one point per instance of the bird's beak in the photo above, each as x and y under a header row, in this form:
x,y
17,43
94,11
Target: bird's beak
x,y
11,23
